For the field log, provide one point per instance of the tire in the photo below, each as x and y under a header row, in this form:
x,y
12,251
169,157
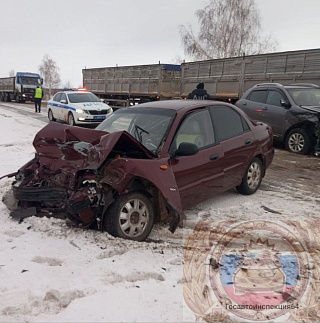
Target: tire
x,y
7,97
252,178
50,115
299,141
71,120
131,216
18,98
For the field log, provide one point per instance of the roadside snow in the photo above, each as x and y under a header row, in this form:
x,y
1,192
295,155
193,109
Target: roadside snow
x,y
51,272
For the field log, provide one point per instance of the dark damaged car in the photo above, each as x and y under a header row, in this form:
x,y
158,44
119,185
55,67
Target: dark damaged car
x,y
142,165
293,112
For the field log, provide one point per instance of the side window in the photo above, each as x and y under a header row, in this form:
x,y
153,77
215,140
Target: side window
x,y
197,129
227,122
57,97
64,97
275,97
258,96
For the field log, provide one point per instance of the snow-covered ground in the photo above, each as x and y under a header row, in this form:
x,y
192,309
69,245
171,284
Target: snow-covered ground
x,y
50,272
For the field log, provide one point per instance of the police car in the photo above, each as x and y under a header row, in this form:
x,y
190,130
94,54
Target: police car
x,y
77,108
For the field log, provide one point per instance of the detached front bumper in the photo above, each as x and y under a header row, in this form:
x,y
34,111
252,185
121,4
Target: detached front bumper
x,y
39,194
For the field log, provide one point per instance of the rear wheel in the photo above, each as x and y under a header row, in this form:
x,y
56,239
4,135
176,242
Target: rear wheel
x,y
252,178
131,216
71,119
18,98
299,141
50,115
7,97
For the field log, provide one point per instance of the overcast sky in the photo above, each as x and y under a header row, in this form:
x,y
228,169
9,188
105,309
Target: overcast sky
x,y
98,33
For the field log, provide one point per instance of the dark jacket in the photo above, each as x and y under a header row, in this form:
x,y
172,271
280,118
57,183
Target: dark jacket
x,y
199,94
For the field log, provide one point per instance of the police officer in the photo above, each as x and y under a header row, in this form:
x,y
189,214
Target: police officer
x,y
38,95
199,93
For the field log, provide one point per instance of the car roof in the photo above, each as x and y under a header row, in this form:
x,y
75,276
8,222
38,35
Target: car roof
x,y
287,86
180,104
70,91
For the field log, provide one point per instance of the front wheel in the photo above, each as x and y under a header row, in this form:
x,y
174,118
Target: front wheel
x,y
50,115
298,141
252,178
131,216
71,120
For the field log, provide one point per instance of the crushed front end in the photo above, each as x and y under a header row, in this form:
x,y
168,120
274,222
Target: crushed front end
x,y
77,173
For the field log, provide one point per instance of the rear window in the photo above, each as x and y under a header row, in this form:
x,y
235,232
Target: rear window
x,y
57,97
227,122
258,96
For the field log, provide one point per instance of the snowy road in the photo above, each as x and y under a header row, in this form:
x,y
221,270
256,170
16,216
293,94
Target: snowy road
x,y
51,272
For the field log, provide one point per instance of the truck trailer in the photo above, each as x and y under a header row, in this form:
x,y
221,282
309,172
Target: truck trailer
x,y
20,87
225,79
229,78
126,85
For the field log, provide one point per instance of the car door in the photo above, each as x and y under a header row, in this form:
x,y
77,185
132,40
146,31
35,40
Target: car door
x,y
252,105
54,105
275,110
236,140
63,108
199,176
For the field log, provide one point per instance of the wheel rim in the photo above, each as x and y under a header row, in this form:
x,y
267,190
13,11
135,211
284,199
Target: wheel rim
x,y
71,120
134,218
296,142
254,176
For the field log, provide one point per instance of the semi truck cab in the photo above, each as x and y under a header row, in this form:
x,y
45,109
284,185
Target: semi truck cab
x,y
25,85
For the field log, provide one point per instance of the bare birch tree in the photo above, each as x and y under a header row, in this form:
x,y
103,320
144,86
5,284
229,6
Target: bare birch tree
x,y
50,73
228,28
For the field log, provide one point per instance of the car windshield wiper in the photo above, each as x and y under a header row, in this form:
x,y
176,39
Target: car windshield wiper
x,y
138,131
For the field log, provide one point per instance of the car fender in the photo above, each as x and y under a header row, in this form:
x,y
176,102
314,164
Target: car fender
x,y
120,172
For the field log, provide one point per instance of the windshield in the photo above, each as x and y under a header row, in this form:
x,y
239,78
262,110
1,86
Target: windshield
x,y
79,97
147,125
29,80
305,97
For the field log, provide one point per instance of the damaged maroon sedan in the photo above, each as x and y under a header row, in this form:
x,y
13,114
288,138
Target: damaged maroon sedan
x,y
142,165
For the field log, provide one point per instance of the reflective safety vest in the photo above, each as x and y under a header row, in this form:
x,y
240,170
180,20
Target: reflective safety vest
x,y
38,93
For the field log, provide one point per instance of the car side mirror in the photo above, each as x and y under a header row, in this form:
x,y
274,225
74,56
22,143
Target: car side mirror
x,y
186,149
63,101
285,104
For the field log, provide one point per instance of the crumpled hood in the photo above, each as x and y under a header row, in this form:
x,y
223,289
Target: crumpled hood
x,y
63,146
315,109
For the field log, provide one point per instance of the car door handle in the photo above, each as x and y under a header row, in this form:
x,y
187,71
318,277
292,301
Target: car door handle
x,y
264,108
248,141
244,103
214,157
